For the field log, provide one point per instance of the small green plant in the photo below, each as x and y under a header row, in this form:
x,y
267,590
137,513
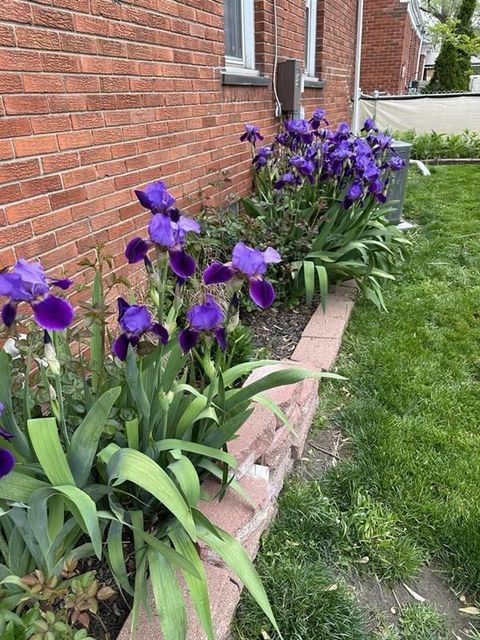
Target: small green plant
x,y
421,621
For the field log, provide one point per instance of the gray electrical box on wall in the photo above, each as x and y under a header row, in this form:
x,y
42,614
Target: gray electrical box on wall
x,y
289,84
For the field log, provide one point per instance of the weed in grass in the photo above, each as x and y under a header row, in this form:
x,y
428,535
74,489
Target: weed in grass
x,y
421,621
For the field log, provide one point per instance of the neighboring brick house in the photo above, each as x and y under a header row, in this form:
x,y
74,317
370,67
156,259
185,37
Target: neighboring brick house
x,y
99,97
391,46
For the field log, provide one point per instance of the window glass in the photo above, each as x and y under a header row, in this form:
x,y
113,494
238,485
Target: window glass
x,y
233,29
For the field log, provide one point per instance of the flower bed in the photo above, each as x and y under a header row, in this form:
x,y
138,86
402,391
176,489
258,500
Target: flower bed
x,y
265,451
131,445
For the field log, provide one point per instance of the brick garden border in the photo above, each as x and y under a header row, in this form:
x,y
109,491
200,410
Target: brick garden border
x,y
265,451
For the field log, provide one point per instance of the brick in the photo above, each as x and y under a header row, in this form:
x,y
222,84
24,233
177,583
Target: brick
x,y
243,520
254,438
43,83
36,246
10,236
82,84
6,150
77,44
88,120
100,188
11,83
113,168
79,176
27,209
91,156
15,11
41,185
72,232
10,193
58,63
224,594
49,222
35,145
7,258
37,39
319,353
60,162
7,36
25,104
74,140
68,197
19,170
67,103
20,61
52,18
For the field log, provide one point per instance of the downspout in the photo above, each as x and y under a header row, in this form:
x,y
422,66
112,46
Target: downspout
x,y
358,64
419,56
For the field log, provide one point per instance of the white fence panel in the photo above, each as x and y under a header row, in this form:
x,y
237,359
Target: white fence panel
x,y
450,113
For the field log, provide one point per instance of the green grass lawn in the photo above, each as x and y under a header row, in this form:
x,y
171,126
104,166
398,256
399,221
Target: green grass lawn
x,y
411,408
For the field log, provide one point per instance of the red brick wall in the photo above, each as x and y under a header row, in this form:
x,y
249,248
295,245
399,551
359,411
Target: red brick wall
x,y
389,47
99,97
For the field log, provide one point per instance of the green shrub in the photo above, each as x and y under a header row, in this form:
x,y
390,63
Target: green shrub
x,y
432,145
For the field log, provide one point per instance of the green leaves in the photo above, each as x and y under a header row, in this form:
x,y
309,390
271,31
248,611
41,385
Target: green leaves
x,y
49,451
18,487
8,419
84,443
168,597
134,466
235,556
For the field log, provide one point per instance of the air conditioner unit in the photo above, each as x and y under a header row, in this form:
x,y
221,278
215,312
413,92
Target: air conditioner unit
x,y
398,181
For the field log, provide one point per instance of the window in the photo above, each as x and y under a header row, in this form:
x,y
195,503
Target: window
x,y
310,37
239,35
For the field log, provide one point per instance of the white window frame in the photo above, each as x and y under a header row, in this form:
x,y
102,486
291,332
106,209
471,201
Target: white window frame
x,y
245,64
311,52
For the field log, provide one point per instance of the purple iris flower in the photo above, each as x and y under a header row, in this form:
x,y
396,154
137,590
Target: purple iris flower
x,y
261,159
318,116
303,166
135,320
299,131
249,264
396,163
136,250
169,236
341,150
377,187
342,132
370,125
204,318
381,141
283,139
355,192
287,178
371,172
28,282
251,133
362,147
7,459
156,197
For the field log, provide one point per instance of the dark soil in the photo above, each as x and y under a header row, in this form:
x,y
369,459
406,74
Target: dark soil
x,y
113,612
277,330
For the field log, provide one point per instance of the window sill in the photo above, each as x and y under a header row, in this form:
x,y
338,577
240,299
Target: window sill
x,y
312,83
239,78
